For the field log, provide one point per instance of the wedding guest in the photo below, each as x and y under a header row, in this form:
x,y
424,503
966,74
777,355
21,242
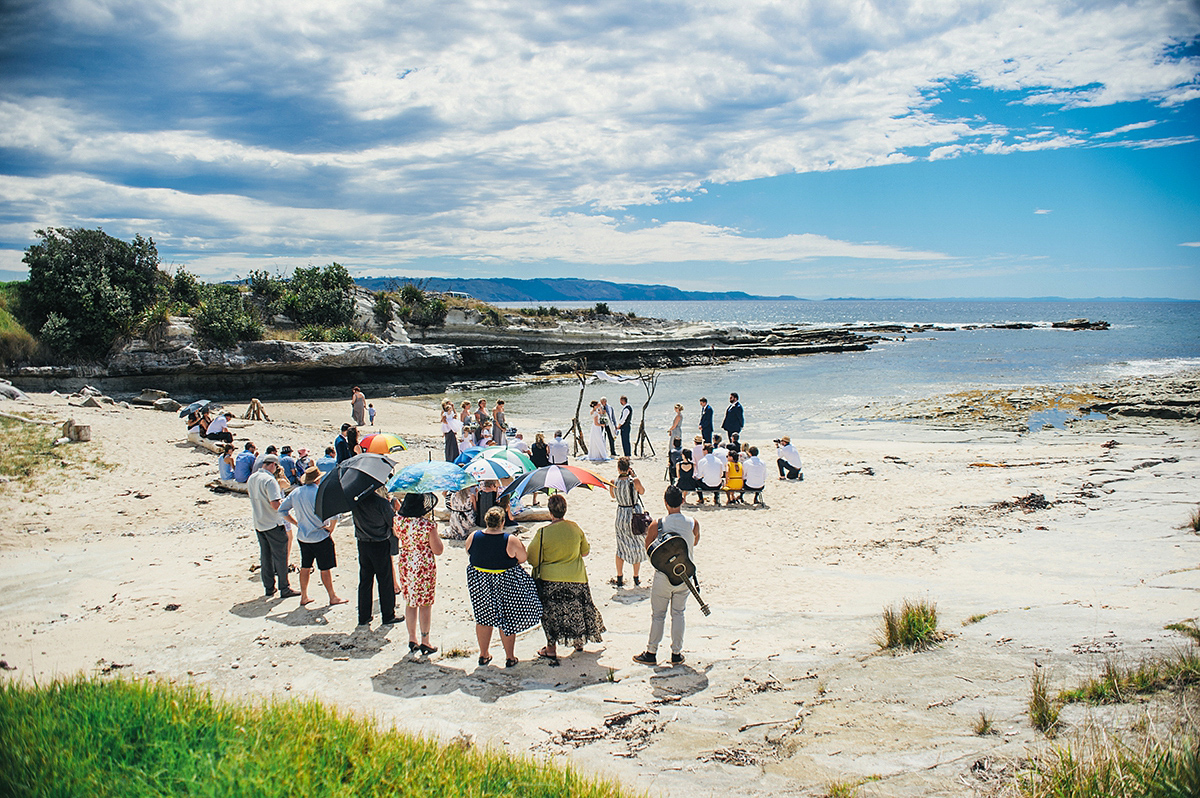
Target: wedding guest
x,y
243,464
314,535
373,530
461,505
697,449
328,462
225,461
502,594
706,420
420,546
341,446
370,413
630,548
569,616
557,450
352,441
483,423
518,442
485,499
265,499
686,481
756,474
466,437
539,453
664,595
788,459
287,465
709,473
735,478
303,461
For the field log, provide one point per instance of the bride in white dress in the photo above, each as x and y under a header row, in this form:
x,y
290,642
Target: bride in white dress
x,y
597,443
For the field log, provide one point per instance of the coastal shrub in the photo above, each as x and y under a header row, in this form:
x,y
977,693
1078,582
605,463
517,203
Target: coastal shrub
x,y
94,737
383,309
984,725
314,333
493,317
86,288
1043,711
1117,684
223,318
319,295
185,289
412,294
348,334
602,309
912,625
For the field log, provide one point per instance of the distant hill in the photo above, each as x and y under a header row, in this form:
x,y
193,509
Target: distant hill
x,y
559,289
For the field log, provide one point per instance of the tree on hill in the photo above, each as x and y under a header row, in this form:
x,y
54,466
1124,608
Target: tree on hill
x,y
86,288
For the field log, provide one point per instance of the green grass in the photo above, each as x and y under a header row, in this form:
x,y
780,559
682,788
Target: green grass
x,y
1193,522
1043,711
26,449
1187,628
912,625
1111,769
91,737
976,618
1117,683
984,725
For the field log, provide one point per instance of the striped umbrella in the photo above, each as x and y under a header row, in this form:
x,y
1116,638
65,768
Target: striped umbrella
x,y
483,469
559,478
382,443
467,455
512,456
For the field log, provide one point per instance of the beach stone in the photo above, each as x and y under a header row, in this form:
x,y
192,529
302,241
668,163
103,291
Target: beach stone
x,y
8,391
167,405
90,401
88,390
149,396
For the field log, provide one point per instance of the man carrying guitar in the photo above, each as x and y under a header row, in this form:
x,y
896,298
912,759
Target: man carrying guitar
x,y
663,594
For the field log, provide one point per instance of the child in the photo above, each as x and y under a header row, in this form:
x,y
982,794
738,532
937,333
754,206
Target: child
x,y
370,413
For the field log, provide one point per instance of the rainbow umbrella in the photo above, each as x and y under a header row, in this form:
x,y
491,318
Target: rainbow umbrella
x,y
382,443
559,478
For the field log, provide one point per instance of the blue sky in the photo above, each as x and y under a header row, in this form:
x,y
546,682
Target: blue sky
x,y
816,148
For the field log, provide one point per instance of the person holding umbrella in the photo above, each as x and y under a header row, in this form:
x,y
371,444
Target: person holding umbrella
x,y
420,547
556,554
373,531
503,595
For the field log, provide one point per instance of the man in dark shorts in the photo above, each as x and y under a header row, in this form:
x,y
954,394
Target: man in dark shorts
x,y
314,535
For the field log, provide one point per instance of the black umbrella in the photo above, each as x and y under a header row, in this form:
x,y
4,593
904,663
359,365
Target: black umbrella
x,y
194,406
349,481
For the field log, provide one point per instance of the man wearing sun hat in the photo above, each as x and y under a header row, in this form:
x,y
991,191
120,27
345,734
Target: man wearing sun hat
x,y
265,499
314,535
788,459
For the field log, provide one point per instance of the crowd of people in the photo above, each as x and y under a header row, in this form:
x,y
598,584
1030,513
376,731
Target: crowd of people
x,y
398,541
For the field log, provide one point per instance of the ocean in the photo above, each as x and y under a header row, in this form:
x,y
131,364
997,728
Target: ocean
x,y
811,395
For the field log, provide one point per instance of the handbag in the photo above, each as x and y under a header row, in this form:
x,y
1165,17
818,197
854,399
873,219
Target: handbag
x,y
640,521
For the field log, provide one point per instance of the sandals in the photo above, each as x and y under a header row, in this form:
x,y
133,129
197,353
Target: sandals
x,y
546,655
484,661
510,663
412,646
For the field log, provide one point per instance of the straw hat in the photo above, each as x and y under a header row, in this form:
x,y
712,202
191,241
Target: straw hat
x,y
312,476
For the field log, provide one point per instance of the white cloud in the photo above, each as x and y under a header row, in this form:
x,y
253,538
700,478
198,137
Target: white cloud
x,y
1190,244
1041,211
1127,128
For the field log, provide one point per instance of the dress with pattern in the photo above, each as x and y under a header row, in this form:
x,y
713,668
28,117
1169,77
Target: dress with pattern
x,y
630,547
416,563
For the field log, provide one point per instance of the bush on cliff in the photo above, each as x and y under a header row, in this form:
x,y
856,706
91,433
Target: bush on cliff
x,y
86,288
224,318
319,296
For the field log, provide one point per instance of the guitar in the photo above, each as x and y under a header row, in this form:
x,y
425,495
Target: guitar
x,y
669,554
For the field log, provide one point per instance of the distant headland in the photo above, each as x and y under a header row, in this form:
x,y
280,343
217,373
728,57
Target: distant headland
x,y
556,289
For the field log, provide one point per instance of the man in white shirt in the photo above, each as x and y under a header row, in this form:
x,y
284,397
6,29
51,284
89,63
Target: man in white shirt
x,y
709,471
265,498
557,450
519,443
755,474
218,430
624,422
697,450
788,460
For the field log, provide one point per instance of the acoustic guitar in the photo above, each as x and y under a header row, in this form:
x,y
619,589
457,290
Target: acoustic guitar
x,y
669,554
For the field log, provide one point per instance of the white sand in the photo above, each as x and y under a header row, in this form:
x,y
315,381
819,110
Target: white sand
x,y
95,556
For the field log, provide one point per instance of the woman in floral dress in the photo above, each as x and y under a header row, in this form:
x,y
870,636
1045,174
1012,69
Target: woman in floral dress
x,y
420,545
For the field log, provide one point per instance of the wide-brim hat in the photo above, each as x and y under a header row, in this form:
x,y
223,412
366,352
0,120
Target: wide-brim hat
x,y
312,476
415,505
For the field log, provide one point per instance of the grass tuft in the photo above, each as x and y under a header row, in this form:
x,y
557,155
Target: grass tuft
x,y
984,725
1193,522
1151,769
842,789
1186,628
91,737
1117,684
912,625
26,449
1043,711
976,618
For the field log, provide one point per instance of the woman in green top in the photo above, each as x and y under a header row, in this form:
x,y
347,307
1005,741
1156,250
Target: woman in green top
x,y
556,554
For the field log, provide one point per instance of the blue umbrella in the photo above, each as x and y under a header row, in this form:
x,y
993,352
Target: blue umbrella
x,y
467,455
432,477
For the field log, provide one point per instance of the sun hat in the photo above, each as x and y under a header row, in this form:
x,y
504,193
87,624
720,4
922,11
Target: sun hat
x,y
302,452
312,475
416,505
270,458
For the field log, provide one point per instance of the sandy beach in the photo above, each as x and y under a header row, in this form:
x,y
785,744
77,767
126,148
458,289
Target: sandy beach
x,y
122,562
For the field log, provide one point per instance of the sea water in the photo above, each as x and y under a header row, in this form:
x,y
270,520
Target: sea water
x,y
802,394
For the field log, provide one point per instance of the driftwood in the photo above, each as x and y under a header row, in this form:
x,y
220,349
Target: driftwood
x,y
579,443
256,411
649,380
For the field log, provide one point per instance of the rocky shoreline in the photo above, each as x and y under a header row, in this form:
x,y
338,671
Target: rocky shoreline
x,y
465,350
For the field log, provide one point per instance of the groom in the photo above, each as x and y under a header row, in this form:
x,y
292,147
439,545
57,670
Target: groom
x,y
624,421
607,410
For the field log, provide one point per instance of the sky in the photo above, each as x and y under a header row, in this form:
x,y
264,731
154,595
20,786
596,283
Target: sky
x,y
818,148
